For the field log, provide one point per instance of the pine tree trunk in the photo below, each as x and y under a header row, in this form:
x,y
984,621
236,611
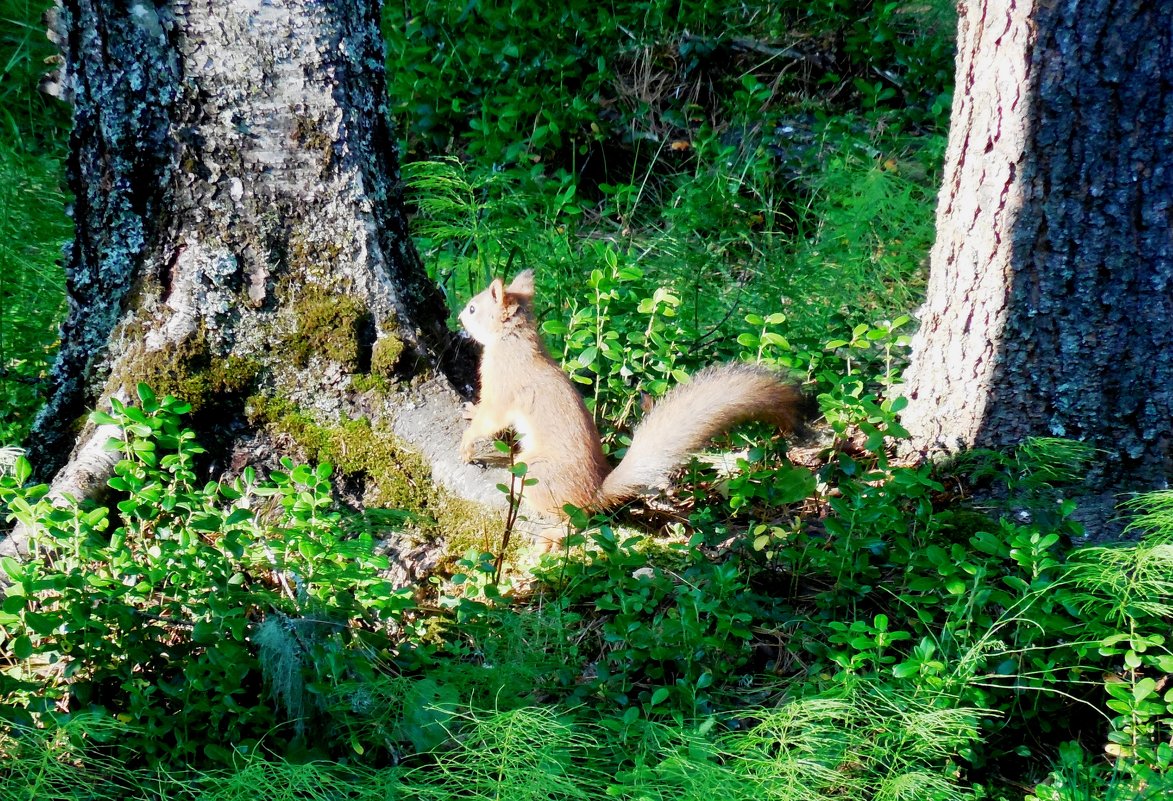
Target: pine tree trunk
x,y
241,239
1050,298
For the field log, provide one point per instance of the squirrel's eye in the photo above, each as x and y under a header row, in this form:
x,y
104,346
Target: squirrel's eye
x,y
472,309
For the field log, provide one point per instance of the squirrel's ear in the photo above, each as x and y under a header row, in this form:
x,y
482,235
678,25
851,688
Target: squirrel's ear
x,y
497,291
523,284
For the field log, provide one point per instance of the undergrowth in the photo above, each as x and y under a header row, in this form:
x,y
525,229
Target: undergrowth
x,y
814,748
899,650
745,157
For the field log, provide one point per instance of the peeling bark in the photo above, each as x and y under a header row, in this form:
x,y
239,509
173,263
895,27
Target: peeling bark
x,y
1050,298
239,214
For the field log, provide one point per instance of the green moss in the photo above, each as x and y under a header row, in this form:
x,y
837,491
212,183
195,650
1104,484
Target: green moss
x,y
392,475
384,359
309,258
190,371
327,325
385,355
369,383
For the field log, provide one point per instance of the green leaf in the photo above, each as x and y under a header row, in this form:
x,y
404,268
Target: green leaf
x,y
631,715
659,695
22,647
1144,688
770,338
102,419
237,625
12,568
238,516
146,395
218,754
134,414
906,669
793,484
206,522
204,632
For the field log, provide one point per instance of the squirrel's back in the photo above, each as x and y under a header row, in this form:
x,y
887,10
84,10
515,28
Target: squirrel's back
x,y
558,439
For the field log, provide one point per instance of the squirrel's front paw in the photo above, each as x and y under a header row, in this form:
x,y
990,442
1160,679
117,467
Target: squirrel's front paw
x,y
468,451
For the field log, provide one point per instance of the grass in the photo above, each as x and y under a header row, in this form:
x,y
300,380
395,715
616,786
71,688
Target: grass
x,y
724,237
33,225
809,749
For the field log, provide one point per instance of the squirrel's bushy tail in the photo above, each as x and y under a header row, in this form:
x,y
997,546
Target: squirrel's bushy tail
x,y
716,399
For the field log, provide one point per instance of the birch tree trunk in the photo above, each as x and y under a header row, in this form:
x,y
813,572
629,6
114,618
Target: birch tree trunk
x,y
241,242
1050,297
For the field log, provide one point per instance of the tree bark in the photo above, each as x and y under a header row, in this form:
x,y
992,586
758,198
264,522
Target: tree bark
x,y
241,235
1050,297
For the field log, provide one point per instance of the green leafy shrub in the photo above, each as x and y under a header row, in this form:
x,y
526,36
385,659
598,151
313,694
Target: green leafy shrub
x,y
1125,597
181,607
670,632
617,331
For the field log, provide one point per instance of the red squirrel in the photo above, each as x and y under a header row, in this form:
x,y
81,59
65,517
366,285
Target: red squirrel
x,y
523,388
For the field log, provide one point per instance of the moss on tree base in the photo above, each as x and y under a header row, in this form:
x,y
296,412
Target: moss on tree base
x,y
386,474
